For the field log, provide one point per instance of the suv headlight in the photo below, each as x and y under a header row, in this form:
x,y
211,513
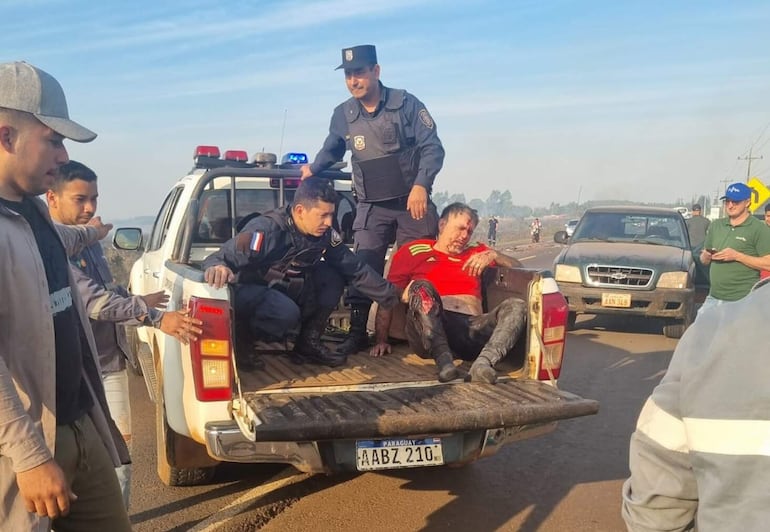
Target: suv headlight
x,y
567,274
673,280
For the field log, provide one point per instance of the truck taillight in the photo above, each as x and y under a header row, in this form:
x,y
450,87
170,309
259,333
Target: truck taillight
x,y
554,330
211,360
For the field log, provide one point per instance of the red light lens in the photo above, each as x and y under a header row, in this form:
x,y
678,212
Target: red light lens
x,y
237,156
555,311
207,151
211,364
275,182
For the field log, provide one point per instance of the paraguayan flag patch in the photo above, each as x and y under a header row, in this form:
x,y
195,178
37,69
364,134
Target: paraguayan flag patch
x,y
256,240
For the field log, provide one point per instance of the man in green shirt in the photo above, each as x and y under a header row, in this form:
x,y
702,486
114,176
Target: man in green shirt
x,y
737,247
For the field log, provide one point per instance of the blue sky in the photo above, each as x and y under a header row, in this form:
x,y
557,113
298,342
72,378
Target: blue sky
x,y
552,100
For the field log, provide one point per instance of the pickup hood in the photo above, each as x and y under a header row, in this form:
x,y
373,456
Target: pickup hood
x,y
660,258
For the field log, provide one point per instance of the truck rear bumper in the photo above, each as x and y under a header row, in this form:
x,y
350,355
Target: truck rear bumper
x,y
226,443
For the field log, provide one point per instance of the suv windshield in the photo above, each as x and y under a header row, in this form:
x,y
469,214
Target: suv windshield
x,y
663,229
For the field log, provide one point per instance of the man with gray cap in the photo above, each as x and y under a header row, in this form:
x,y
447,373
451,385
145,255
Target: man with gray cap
x,y
58,444
396,155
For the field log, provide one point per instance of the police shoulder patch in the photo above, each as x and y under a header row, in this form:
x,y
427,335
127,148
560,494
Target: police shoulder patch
x,y
425,118
335,238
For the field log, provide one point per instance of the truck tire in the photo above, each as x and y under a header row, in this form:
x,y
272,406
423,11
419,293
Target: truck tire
x,y
674,330
173,449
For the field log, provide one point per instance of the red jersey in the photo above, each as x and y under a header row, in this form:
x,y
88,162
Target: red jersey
x,y
417,260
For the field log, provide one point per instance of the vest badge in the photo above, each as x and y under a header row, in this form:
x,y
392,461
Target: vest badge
x,y
359,142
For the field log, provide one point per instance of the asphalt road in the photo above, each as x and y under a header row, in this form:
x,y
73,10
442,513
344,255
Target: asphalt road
x,y
568,480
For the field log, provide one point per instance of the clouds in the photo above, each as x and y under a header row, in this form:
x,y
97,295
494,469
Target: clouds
x,y
649,99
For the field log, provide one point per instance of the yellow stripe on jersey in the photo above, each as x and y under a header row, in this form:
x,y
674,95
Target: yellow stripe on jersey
x,y
416,249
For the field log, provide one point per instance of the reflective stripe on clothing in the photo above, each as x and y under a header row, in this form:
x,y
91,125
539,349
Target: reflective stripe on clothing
x,y
736,437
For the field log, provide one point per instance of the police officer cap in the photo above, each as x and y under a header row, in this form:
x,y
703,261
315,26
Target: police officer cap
x,y
360,56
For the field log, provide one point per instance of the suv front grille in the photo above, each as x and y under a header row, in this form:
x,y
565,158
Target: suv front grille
x,y
619,276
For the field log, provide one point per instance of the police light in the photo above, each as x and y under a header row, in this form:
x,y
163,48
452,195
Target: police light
x,y
207,151
275,182
294,158
239,156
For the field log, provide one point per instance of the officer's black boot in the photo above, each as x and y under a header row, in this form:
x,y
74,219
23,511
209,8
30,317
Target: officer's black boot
x,y
309,348
358,338
245,357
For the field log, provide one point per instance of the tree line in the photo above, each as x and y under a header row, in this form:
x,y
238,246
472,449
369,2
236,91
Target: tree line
x,y
500,204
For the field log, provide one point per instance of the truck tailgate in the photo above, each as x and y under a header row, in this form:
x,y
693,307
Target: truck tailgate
x,y
410,410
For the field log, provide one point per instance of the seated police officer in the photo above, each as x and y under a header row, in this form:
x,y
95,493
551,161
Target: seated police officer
x,y
280,280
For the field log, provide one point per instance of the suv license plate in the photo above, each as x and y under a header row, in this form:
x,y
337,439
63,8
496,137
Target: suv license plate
x,y
616,300
372,455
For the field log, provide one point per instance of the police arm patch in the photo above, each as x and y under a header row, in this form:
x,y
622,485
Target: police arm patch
x,y
335,238
426,119
246,242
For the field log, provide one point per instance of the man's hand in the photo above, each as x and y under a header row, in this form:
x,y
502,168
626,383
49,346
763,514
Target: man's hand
x,y
103,228
476,264
417,203
156,299
705,257
379,349
305,171
727,255
219,275
45,490
181,326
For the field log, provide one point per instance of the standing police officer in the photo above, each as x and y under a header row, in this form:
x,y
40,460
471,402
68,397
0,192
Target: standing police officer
x,y
280,280
396,154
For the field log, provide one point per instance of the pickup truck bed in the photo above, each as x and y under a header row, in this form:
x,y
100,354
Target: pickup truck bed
x,y
394,395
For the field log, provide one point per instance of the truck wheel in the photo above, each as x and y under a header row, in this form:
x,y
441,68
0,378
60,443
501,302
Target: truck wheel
x,y
174,449
674,330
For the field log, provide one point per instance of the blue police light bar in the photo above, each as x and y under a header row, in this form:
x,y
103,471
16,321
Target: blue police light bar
x,y
294,158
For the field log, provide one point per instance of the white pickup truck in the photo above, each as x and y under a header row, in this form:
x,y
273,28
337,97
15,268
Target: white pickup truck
x,y
371,414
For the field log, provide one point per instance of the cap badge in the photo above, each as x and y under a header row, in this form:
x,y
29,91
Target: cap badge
x,y
348,55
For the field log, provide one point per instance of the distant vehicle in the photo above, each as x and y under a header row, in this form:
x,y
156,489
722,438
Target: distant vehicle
x,y
684,211
570,226
634,261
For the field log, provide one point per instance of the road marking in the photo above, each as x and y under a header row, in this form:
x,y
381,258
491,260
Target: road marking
x,y
530,257
246,501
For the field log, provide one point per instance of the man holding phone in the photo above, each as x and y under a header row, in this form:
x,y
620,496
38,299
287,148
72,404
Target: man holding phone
x,y
736,248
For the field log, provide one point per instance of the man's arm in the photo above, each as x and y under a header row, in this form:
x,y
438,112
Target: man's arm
x,y
106,305
426,140
334,146
362,276
77,237
245,248
478,262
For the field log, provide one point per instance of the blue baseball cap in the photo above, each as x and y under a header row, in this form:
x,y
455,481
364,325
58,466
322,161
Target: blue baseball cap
x,y
737,192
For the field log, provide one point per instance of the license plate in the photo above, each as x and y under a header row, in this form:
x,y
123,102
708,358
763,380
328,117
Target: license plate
x,y
616,300
372,455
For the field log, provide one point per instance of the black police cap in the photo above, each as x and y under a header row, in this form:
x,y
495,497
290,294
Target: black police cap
x,y
360,56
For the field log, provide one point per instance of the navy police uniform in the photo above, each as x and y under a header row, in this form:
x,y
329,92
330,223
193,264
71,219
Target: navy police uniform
x,y
392,149
285,278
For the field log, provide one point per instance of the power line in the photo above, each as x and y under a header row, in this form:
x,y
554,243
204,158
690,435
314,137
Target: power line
x,y
749,158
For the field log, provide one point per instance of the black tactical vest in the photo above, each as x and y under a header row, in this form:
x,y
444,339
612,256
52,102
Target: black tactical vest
x,y
288,274
385,161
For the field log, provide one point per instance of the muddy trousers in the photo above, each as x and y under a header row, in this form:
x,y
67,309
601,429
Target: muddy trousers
x,y
431,330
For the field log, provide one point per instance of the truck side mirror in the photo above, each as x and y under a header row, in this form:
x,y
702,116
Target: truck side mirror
x,y
128,238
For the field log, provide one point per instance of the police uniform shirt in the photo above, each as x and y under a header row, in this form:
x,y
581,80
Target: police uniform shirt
x,y
266,240
419,130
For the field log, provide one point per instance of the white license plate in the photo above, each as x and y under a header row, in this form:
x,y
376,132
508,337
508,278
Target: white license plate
x,y
372,455
616,300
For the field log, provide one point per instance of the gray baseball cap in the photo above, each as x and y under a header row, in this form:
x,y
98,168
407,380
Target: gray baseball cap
x,y
24,87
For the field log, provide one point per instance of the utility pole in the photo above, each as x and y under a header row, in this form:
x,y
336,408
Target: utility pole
x,y
749,159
